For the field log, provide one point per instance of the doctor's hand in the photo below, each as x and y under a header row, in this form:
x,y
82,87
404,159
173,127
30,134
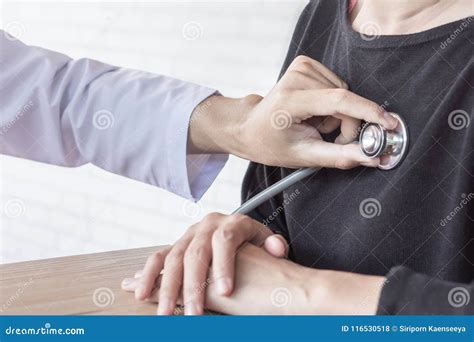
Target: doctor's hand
x,y
284,128
186,264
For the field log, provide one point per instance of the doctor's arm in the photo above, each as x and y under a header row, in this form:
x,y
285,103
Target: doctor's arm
x,y
70,112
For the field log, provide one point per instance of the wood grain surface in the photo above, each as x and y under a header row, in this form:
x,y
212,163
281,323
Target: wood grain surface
x,y
73,285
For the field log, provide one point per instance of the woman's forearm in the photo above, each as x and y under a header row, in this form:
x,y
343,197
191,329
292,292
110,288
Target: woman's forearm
x,y
275,286
344,293
268,285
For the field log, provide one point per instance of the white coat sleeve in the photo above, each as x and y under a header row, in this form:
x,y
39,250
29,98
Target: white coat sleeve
x,y
66,112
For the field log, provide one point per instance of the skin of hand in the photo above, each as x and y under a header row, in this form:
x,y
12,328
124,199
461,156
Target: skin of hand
x,y
266,285
185,265
284,128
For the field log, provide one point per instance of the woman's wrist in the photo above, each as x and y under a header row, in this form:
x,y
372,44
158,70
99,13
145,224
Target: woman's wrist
x,y
343,293
217,125
309,291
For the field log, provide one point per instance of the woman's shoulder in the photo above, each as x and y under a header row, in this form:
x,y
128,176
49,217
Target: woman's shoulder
x,y
322,8
319,16
314,25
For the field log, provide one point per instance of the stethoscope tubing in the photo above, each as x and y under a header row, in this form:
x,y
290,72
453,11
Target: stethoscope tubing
x,y
275,189
301,174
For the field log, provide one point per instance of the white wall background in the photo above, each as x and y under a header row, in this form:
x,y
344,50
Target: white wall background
x,y
50,211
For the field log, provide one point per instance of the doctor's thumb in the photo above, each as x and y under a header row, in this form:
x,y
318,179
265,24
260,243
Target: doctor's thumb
x,y
276,245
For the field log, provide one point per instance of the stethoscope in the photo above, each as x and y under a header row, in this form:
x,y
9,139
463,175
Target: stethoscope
x,y
374,141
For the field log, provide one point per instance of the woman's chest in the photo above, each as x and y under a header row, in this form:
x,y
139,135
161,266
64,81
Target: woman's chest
x,y
368,220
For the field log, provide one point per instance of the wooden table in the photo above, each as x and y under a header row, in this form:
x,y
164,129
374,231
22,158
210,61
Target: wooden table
x,y
82,284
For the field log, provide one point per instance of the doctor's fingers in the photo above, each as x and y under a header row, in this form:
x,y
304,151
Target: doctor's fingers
x,y
303,104
197,260
277,246
131,284
152,269
304,80
227,239
316,70
225,234
186,267
318,153
326,124
173,273
350,129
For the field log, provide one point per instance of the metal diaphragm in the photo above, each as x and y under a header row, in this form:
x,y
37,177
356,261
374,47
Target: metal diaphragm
x,y
390,146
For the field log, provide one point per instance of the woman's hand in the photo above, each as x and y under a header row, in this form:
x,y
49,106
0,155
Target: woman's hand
x,y
266,285
283,128
186,264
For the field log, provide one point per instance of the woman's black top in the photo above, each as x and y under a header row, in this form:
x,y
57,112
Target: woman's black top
x,y
413,224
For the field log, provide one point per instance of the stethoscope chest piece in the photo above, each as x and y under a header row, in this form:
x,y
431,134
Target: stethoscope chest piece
x,y
390,145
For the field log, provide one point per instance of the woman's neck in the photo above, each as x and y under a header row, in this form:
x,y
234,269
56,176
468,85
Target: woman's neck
x,y
407,16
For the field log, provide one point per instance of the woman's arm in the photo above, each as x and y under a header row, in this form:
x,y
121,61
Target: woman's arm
x,y
411,293
267,285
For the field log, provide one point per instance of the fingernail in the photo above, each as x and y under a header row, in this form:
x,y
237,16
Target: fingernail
x,y
391,121
191,309
223,286
281,242
165,307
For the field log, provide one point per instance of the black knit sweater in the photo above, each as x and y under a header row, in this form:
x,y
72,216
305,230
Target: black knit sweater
x,y
413,224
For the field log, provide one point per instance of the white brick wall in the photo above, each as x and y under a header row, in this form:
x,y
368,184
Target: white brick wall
x,y
51,211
